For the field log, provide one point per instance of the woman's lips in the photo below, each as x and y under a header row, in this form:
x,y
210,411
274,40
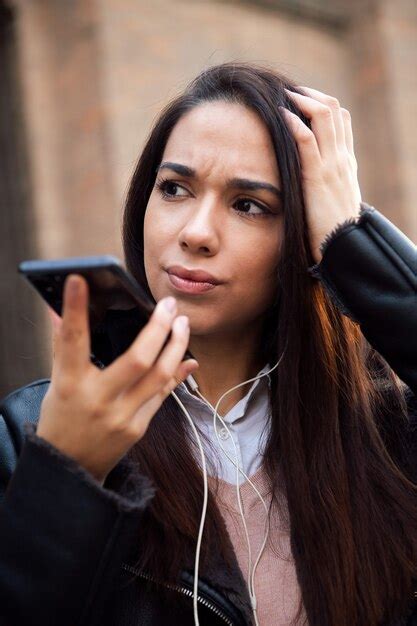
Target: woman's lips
x,y
189,286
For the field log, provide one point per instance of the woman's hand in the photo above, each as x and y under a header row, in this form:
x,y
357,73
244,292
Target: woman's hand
x,y
93,415
329,168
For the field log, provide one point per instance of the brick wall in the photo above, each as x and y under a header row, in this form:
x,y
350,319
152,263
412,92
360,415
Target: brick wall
x,y
94,75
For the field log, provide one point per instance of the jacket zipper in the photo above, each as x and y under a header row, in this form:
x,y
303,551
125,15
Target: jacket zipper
x,y
183,590
188,592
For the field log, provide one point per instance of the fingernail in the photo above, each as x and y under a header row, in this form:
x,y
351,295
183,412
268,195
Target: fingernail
x,y
182,322
170,304
73,285
192,367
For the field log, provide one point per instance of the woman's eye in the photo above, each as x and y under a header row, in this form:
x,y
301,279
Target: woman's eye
x,y
168,188
256,210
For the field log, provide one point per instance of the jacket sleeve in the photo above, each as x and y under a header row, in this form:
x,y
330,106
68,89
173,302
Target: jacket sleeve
x,y
369,269
63,537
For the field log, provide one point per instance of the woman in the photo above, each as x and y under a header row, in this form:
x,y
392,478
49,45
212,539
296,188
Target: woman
x,y
254,180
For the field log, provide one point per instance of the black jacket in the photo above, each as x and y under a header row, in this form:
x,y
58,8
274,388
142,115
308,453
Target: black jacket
x,y
66,542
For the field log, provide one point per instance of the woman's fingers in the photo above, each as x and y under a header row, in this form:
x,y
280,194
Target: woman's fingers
x,y
165,368
322,123
306,143
72,339
330,185
168,372
141,419
135,363
347,121
336,109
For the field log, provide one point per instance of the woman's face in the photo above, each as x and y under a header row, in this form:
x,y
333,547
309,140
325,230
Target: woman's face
x,y
208,222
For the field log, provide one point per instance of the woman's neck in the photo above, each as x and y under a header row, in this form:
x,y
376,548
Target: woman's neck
x,y
224,364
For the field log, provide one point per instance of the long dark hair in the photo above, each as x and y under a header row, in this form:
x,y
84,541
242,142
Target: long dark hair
x,y
351,499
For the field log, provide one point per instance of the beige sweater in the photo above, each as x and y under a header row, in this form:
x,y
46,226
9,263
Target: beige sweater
x,y
276,587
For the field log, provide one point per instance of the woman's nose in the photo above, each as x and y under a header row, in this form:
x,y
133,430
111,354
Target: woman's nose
x,y
201,230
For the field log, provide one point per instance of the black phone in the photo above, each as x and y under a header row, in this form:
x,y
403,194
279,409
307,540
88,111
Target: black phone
x,y
119,307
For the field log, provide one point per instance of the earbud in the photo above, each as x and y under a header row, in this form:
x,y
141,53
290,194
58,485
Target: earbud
x,y
190,380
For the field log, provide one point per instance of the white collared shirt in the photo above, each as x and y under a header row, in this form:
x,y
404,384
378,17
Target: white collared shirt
x,y
248,421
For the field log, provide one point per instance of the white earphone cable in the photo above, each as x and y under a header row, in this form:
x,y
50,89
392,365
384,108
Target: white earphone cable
x,y
251,575
204,509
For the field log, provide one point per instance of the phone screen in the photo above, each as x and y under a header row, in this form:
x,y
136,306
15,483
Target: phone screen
x,y
118,306
106,292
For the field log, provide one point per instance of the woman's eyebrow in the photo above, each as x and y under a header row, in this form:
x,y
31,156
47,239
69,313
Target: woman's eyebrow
x,y
236,183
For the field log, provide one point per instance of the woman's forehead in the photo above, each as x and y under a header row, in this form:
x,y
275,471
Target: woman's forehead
x,y
219,134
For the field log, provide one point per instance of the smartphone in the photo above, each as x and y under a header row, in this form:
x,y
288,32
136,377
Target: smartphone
x,y
118,307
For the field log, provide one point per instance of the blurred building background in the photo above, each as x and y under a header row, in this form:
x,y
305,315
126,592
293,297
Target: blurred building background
x,y
83,80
